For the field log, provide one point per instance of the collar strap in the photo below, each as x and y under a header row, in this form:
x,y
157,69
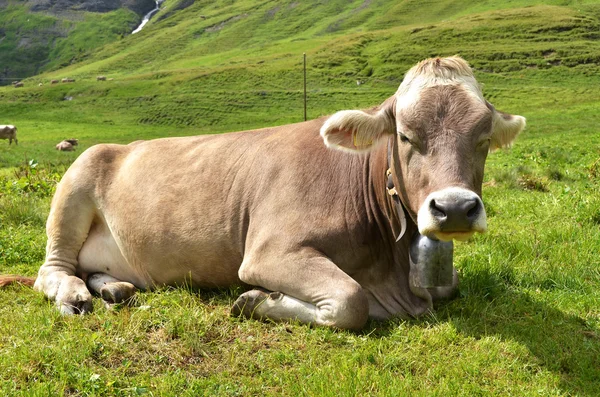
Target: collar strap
x,y
391,190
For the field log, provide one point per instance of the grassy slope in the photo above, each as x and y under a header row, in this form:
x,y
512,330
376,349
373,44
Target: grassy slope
x,y
31,42
527,321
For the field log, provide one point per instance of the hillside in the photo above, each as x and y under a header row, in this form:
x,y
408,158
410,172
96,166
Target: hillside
x,y
252,50
38,35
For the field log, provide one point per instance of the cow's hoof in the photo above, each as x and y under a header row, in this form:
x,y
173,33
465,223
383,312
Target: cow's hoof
x,y
79,305
117,292
247,303
73,297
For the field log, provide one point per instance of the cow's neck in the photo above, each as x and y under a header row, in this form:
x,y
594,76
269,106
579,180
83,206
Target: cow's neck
x,y
393,266
384,157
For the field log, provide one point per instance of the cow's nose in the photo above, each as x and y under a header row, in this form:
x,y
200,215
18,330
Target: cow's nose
x,y
451,213
454,214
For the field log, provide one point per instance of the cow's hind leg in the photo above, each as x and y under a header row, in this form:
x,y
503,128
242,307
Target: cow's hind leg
x,y
67,228
110,289
308,288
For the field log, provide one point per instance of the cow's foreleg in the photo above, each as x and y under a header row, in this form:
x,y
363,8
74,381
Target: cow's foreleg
x,y
308,288
110,289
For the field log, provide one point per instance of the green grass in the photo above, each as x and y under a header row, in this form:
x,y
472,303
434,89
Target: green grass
x,y
527,320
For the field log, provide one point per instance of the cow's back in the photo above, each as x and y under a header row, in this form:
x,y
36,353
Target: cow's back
x,y
188,209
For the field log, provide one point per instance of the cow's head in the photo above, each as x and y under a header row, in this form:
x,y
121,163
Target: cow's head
x,y
444,129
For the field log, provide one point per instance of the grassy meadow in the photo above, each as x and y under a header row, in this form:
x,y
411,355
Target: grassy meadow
x,y
527,319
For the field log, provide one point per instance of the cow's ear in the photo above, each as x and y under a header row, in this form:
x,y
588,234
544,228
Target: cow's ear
x,y
505,128
358,131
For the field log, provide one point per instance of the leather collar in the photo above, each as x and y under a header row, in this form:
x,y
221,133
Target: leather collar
x,y
391,190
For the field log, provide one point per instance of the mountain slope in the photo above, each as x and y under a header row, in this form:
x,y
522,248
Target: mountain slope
x,y
38,35
223,65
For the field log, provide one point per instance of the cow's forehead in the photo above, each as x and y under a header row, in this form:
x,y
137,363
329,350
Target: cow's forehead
x,y
443,108
440,95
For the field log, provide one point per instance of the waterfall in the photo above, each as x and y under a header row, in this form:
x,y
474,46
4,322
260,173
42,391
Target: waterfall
x,y
147,17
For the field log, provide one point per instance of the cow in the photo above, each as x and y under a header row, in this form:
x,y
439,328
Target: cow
x,y
68,80
18,84
100,78
315,218
65,146
9,132
54,81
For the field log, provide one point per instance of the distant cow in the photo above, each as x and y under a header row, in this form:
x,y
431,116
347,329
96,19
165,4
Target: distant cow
x,y
68,145
18,84
9,132
317,216
67,80
54,81
100,78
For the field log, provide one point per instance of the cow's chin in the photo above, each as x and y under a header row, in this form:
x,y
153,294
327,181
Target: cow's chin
x,y
449,236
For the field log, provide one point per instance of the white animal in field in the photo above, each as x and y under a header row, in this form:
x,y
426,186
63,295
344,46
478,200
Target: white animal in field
x,y
9,132
67,145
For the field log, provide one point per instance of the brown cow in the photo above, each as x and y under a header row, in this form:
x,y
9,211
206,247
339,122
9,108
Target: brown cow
x,y
9,132
311,227
100,78
54,81
18,84
67,80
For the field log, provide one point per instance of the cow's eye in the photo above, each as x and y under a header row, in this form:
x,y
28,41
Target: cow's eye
x,y
485,142
403,138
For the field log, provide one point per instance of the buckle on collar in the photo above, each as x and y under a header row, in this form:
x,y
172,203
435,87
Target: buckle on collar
x,y
390,188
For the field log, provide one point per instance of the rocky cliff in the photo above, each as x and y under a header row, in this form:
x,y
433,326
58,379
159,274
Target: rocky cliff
x,y
140,7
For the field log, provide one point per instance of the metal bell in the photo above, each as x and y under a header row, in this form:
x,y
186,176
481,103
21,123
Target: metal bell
x,y
430,262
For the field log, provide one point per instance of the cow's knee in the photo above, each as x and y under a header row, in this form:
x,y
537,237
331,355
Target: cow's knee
x,y
347,308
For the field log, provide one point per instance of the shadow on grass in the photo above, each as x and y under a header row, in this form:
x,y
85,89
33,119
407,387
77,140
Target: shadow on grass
x,y
560,342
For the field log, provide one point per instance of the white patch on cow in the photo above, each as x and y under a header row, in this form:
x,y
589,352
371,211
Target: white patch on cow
x,y
101,254
355,130
408,93
98,280
429,226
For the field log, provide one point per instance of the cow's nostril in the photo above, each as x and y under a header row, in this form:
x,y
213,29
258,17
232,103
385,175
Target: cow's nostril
x,y
472,209
437,210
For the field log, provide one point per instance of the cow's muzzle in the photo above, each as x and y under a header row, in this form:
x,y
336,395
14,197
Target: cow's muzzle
x,y
452,213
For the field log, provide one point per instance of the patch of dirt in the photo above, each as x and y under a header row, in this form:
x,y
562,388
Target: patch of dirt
x,y
271,13
221,25
531,182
